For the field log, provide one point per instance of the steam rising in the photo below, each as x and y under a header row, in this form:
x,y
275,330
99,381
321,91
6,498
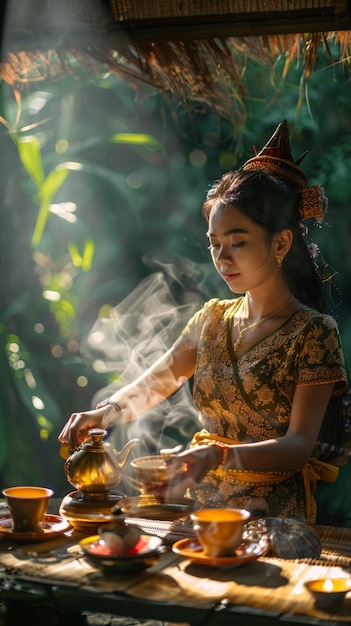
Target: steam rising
x,y
138,332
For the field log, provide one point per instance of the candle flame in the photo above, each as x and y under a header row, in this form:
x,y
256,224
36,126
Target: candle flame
x,y
328,585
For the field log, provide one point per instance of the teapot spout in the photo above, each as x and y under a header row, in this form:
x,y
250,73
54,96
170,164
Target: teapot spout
x,y
122,455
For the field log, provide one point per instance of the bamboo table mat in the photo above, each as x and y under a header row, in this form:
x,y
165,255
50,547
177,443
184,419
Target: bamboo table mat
x,y
336,544
169,531
336,541
268,584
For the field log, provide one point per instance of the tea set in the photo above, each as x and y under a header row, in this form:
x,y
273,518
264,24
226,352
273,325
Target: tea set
x,y
96,469
218,537
112,521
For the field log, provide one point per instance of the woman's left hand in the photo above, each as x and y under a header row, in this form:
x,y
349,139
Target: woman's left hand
x,y
198,462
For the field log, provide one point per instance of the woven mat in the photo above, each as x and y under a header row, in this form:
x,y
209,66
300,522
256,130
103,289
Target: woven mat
x,y
268,583
336,542
168,531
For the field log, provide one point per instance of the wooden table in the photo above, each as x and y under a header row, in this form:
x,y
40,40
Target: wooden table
x,y
51,580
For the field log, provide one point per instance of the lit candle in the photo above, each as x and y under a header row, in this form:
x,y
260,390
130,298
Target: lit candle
x,y
329,592
328,585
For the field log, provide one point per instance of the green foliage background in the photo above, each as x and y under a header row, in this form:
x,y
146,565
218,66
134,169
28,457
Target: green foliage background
x,y
102,187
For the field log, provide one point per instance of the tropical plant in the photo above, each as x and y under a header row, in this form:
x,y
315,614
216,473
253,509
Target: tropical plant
x,y
102,193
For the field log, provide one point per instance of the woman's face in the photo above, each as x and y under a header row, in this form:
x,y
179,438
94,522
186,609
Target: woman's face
x,y
241,250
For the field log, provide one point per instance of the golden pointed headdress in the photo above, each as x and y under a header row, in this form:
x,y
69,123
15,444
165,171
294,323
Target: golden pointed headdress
x,y
276,158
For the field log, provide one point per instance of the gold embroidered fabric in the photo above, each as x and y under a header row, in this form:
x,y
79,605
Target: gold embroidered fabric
x,y
312,472
249,399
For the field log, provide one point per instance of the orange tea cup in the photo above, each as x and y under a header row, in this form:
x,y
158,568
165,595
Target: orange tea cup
x,y
219,530
27,506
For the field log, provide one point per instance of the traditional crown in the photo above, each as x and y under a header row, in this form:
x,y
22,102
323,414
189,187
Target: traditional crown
x,y
276,157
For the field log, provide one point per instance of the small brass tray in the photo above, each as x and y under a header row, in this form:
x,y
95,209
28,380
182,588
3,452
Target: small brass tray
x,y
153,507
87,515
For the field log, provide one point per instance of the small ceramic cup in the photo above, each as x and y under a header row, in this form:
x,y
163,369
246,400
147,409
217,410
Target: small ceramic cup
x,y
27,506
219,531
155,474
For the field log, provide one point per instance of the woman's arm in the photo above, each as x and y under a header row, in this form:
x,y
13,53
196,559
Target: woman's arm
x,y
292,451
157,383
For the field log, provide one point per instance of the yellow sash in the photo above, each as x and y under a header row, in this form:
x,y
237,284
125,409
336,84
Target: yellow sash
x,y
314,470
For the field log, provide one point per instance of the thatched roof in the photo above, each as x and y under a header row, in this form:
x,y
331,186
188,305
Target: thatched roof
x,y
196,51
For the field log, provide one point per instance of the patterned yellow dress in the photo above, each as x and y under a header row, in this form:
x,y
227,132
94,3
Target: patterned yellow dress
x,y
249,399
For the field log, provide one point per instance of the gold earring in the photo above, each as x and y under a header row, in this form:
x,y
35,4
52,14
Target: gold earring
x,y
279,258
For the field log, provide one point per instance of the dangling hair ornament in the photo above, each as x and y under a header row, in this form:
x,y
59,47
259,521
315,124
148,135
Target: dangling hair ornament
x,y
313,250
276,158
326,271
304,229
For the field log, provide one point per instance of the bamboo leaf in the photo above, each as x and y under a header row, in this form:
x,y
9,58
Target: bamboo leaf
x,y
29,153
52,183
75,255
88,255
48,189
42,218
139,139
85,260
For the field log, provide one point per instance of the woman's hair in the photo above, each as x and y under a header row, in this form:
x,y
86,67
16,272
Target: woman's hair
x,y
273,204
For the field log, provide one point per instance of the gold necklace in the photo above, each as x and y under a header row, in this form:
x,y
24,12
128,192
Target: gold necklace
x,y
241,331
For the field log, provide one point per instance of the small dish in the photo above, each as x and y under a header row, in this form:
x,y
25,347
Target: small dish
x,y
152,507
191,549
144,554
53,525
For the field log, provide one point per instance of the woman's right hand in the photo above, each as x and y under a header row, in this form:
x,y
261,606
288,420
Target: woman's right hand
x,y
76,429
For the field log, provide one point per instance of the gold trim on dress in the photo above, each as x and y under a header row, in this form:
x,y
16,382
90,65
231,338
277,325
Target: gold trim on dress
x,y
313,471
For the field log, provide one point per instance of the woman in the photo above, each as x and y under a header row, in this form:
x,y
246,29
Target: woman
x,y
265,364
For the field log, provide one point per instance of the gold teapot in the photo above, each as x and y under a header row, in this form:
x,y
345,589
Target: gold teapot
x,y
96,468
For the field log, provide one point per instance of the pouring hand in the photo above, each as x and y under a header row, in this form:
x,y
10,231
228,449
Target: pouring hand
x,y
76,429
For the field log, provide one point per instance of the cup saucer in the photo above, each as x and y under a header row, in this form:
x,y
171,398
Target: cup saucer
x,y
191,549
53,525
144,554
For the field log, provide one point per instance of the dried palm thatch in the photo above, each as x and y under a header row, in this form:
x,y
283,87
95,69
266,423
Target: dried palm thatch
x,y
195,51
